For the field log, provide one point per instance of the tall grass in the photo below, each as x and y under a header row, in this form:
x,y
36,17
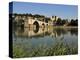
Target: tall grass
x,y
58,49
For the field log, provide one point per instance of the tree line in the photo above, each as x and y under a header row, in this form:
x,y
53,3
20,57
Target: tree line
x,y
72,22
59,22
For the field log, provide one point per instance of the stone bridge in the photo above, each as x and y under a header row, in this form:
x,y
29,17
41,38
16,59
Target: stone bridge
x,y
31,22
35,23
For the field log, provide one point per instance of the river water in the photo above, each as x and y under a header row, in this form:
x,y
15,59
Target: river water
x,y
28,42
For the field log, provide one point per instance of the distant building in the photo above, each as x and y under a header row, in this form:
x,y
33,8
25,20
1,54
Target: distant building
x,y
54,19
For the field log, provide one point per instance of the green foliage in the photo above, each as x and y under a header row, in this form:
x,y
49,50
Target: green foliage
x,y
73,22
58,49
58,22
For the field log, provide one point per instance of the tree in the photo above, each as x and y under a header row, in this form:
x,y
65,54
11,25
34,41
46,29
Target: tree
x,y
58,22
64,21
74,22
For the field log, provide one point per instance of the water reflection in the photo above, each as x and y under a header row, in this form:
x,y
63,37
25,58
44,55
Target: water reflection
x,y
28,42
56,32
36,30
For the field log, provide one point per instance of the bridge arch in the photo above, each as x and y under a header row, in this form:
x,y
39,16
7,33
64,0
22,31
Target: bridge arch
x,y
36,24
43,25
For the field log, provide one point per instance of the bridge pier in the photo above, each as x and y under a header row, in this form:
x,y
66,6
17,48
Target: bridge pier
x,y
32,23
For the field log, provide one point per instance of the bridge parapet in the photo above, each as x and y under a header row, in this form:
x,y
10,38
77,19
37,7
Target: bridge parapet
x,y
29,21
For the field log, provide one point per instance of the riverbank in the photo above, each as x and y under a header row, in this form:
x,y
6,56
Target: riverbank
x,y
58,49
63,26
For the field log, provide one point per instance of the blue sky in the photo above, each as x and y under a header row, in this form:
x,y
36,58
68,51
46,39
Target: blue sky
x,y
63,11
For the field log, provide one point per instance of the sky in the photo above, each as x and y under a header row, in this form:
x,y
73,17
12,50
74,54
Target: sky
x,y
62,11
